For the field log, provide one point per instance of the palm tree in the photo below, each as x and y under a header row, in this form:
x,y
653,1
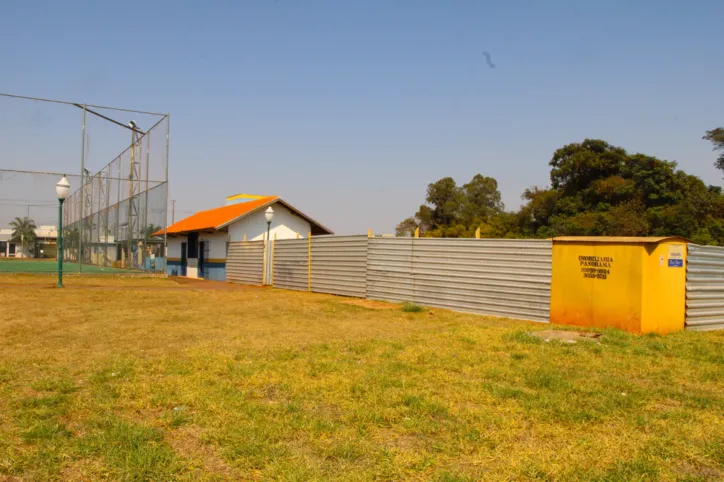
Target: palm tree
x,y
23,231
149,230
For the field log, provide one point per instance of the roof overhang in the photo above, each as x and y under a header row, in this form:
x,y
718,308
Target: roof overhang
x,y
321,228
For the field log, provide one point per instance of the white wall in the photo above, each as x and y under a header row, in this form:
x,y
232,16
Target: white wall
x,y
285,225
217,244
174,246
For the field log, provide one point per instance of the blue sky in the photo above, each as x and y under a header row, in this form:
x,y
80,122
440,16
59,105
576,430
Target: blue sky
x,y
349,109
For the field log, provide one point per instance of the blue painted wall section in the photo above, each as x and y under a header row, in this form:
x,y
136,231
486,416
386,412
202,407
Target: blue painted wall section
x,y
214,271
173,268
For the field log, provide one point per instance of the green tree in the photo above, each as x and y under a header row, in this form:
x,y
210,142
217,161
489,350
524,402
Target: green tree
x,y
149,230
445,197
481,200
406,228
453,211
716,137
599,189
23,232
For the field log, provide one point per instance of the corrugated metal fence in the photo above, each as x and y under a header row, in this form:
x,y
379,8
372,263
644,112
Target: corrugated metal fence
x,y
705,288
339,265
499,277
291,266
244,262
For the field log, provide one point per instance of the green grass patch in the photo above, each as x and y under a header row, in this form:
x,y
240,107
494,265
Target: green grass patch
x,y
412,308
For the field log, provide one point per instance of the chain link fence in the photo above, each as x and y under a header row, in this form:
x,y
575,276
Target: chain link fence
x,y
116,162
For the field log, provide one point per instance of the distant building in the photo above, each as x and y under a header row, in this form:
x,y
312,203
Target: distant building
x,y
45,245
198,244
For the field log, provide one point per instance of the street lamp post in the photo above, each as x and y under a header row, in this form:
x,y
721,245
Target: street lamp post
x,y
269,215
61,189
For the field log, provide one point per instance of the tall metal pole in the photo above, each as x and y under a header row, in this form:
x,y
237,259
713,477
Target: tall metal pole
x,y
82,197
165,201
267,275
146,233
60,243
129,228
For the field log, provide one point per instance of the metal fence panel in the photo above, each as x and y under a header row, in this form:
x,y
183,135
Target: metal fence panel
x,y
705,288
291,266
389,269
498,277
339,265
244,262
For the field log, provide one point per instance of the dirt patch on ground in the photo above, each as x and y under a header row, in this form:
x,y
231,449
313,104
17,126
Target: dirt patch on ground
x,y
371,304
566,336
202,284
187,442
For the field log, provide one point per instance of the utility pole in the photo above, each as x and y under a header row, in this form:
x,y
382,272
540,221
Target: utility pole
x,y
173,211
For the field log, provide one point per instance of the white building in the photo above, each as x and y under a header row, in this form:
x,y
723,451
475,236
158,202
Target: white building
x,y
197,245
44,245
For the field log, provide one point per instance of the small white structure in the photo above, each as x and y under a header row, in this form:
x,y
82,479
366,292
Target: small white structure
x,y
197,245
44,245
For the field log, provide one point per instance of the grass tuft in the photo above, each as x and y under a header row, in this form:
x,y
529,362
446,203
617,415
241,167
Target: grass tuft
x,y
412,308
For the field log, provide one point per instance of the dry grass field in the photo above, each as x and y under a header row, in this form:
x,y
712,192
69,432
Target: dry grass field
x,y
148,379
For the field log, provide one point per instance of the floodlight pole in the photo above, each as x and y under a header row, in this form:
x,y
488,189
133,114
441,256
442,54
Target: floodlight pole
x,y
82,195
60,242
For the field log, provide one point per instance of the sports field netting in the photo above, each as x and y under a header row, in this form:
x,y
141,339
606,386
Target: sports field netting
x,y
116,161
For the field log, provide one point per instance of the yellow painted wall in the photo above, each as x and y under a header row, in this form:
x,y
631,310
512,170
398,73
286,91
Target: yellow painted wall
x,y
632,286
664,288
596,284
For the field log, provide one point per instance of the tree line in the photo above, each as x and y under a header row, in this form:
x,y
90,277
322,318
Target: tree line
x,y
596,189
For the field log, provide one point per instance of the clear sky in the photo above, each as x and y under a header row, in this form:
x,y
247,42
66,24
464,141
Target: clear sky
x,y
348,109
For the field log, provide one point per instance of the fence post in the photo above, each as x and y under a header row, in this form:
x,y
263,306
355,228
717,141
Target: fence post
x,y
263,261
309,262
271,269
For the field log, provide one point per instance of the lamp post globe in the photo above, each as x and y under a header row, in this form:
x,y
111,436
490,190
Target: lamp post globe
x,y
269,215
61,189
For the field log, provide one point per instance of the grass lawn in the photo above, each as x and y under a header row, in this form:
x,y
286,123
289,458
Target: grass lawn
x,y
147,379
11,265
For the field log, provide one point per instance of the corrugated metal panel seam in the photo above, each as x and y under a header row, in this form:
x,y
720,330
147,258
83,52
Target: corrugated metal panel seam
x,y
339,265
496,277
290,264
244,262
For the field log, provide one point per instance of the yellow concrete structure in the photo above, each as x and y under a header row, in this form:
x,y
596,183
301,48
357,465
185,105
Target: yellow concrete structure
x,y
634,284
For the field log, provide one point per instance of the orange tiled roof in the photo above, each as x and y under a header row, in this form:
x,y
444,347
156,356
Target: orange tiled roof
x,y
213,218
